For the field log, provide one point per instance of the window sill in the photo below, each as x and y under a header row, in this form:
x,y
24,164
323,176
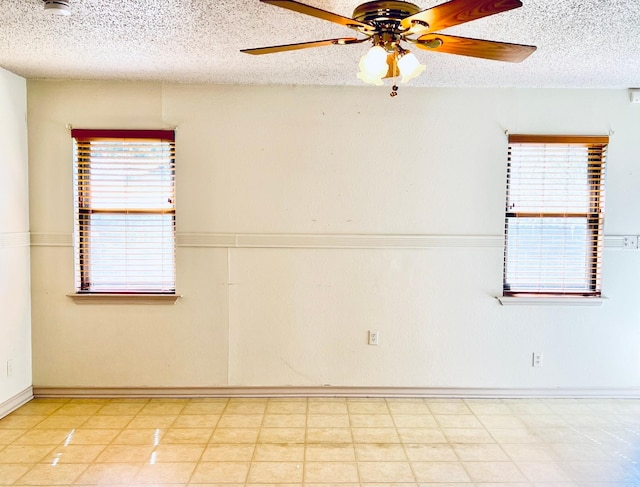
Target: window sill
x,y
114,298
550,301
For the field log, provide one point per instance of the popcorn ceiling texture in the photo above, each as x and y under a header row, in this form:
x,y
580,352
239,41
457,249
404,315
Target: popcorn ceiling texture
x,y
581,43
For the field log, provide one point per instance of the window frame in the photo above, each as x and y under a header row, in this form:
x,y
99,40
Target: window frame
x,y
594,217
84,210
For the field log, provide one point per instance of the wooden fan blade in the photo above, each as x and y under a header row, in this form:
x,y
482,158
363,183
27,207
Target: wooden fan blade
x,y
319,13
456,12
465,46
300,45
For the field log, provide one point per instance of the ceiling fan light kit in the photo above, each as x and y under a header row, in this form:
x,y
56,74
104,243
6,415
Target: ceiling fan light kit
x,y
386,24
57,7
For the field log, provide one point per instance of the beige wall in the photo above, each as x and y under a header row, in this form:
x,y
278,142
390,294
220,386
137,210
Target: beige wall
x,y
15,305
307,216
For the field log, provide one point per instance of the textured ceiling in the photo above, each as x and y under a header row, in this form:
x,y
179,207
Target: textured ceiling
x,y
581,43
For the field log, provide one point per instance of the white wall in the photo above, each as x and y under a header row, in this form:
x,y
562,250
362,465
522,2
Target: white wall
x,y
297,210
15,304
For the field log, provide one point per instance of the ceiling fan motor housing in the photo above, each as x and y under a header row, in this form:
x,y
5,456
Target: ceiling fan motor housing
x,y
57,7
384,12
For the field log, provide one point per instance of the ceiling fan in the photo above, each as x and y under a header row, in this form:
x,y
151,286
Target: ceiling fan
x,y
388,23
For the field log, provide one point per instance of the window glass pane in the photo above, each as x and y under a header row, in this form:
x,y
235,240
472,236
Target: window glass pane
x,y
549,255
131,252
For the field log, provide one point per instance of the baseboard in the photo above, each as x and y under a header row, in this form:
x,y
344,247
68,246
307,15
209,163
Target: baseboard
x,y
16,401
333,391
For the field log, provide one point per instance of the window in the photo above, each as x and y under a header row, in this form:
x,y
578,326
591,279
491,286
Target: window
x,y
554,215
124,211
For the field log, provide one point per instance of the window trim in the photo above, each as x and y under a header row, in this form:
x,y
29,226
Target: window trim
x,y
594,223
83,291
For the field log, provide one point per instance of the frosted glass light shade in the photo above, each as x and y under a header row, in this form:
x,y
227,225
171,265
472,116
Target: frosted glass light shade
x,y
410,67
373,66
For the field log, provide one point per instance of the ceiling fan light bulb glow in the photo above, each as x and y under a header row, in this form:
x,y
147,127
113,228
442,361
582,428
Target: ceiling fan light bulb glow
x,y
374,62
410,67
370,79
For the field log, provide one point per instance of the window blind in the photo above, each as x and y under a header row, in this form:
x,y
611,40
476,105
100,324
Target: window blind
x,y
125,211
554,215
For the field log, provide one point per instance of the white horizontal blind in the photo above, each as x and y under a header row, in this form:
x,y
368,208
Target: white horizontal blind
x,y
554,215
125,211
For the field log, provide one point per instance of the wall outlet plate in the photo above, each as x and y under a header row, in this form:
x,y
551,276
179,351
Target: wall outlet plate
x,y
537,359
373,337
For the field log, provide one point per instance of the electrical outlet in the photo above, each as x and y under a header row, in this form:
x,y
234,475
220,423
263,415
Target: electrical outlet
x,y
373,337
537,359
630,242
9,368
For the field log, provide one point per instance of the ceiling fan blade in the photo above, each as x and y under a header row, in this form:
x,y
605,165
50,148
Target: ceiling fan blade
x,y
465,46
319,13
300,45
456,12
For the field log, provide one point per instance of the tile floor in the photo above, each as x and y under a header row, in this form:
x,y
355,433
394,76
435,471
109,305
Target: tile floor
x,y
322,442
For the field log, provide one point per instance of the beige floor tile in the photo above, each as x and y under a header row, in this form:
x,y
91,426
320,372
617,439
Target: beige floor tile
x,y
39,437
328,421
109,474
46,474
125,454
278,452
468,435
530,452
38,408
371,421
275,472
367,406
147,436
11,473
17,421
515,435
500,421
92,437
457,421
235,435
204,408
325,472
329,435
240,421
79,409
430,453
196,421
107,422
317,406
375,435
385,472
488,407
579,451
543,471
73,454
163,473
483,452
247,406
220,472
285,421
121,408
414,421
176,453
407,406
444,407
494,472
439,472
187,435
8,436
282,435
287,407
23,453
421,435
162,408
228,453
330,453
162,421
380,452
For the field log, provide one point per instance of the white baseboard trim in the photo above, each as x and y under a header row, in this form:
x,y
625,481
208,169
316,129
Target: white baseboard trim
x,y
333,391
15,402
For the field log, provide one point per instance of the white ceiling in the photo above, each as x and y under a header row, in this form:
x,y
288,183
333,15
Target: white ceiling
x,y
581,43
